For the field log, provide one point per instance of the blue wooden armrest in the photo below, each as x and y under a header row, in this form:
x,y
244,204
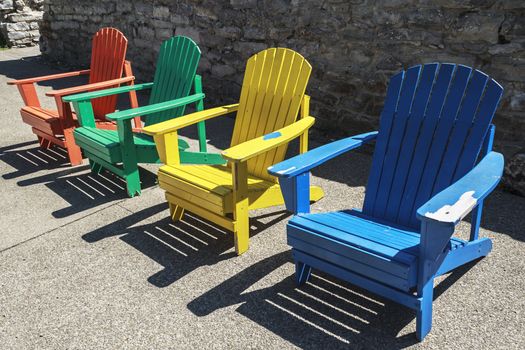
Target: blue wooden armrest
x,y
456,201
305,162
154,108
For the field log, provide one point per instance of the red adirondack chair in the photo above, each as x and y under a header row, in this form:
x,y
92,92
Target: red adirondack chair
x,y
108,65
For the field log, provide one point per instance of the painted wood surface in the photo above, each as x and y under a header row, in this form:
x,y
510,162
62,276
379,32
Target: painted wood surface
x,y
272,99
170,94
425,177
108,65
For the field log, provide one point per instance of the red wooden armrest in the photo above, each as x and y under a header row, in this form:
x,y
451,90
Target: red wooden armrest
x,y
48,77
89,87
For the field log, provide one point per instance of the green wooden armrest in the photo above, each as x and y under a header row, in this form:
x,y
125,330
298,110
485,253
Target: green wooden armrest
x,y
189,119
259,145
154,108
108,92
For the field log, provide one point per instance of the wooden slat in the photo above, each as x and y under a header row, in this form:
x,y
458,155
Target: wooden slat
x,y
174,76
460,131
429,136
424,141
369,270
190,193
251,81
206,214
395,140
292,111
44,120
483,118
342,235
108,54
273,88
407,147
385,125
441,136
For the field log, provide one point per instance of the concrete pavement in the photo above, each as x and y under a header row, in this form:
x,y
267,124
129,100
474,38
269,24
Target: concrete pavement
x,y
83,266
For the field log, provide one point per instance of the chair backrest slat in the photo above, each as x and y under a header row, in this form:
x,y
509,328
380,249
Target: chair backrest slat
x,y
273,88
431,131
174,76
108,55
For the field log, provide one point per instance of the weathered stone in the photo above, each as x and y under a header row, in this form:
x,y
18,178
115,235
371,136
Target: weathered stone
x,y
254,33
222,70
515,173
6,5
161,12
354,46
243,4
19,22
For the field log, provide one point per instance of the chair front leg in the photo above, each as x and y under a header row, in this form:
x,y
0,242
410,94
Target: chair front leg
x,y
240,207
176,212
68,126
129,157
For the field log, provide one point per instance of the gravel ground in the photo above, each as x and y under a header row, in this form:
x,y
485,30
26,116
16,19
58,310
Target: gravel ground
x,y
82,266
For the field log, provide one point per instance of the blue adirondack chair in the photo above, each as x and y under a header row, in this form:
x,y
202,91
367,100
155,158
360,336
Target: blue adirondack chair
x,y
432,165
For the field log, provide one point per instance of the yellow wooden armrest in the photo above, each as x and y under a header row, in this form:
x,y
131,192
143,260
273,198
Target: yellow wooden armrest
x,y
189,119
252,148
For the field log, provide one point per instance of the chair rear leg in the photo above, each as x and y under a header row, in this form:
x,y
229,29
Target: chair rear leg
x,y
302,273
95,167
424,313
44,144
176,212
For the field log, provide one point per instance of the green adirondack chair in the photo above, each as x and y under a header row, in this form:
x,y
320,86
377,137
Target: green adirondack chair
x,y
121,150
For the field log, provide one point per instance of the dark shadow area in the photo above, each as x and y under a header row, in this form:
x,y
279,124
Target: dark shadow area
x,y
179,247
27,161
84,190
503,213
325,311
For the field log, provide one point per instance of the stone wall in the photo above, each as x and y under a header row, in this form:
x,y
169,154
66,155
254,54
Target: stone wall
x,y
19,22
353,45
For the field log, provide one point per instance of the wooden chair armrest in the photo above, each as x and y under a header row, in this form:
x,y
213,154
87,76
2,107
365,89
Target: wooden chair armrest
x,y
48,77
249,149
89,87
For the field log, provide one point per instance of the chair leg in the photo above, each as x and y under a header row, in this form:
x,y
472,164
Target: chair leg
x,y
424,314
73,151
132,177
95,167
44,144
176,212
302,273
242,234
240,210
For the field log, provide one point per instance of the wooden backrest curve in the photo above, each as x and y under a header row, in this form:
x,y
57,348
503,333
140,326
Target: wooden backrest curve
x,y
431,132
108,54
177,64
273,87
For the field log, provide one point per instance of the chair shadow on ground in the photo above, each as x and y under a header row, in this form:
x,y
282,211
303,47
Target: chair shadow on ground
x,y
77,185
27,160
324,311
84,190
179,247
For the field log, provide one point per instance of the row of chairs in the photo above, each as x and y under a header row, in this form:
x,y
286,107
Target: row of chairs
x,y
433,161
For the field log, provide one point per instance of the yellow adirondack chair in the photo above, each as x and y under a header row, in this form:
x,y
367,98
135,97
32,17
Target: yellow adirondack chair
x,y
273,93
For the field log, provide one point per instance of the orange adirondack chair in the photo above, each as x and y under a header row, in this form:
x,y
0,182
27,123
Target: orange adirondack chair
x,y
108,64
